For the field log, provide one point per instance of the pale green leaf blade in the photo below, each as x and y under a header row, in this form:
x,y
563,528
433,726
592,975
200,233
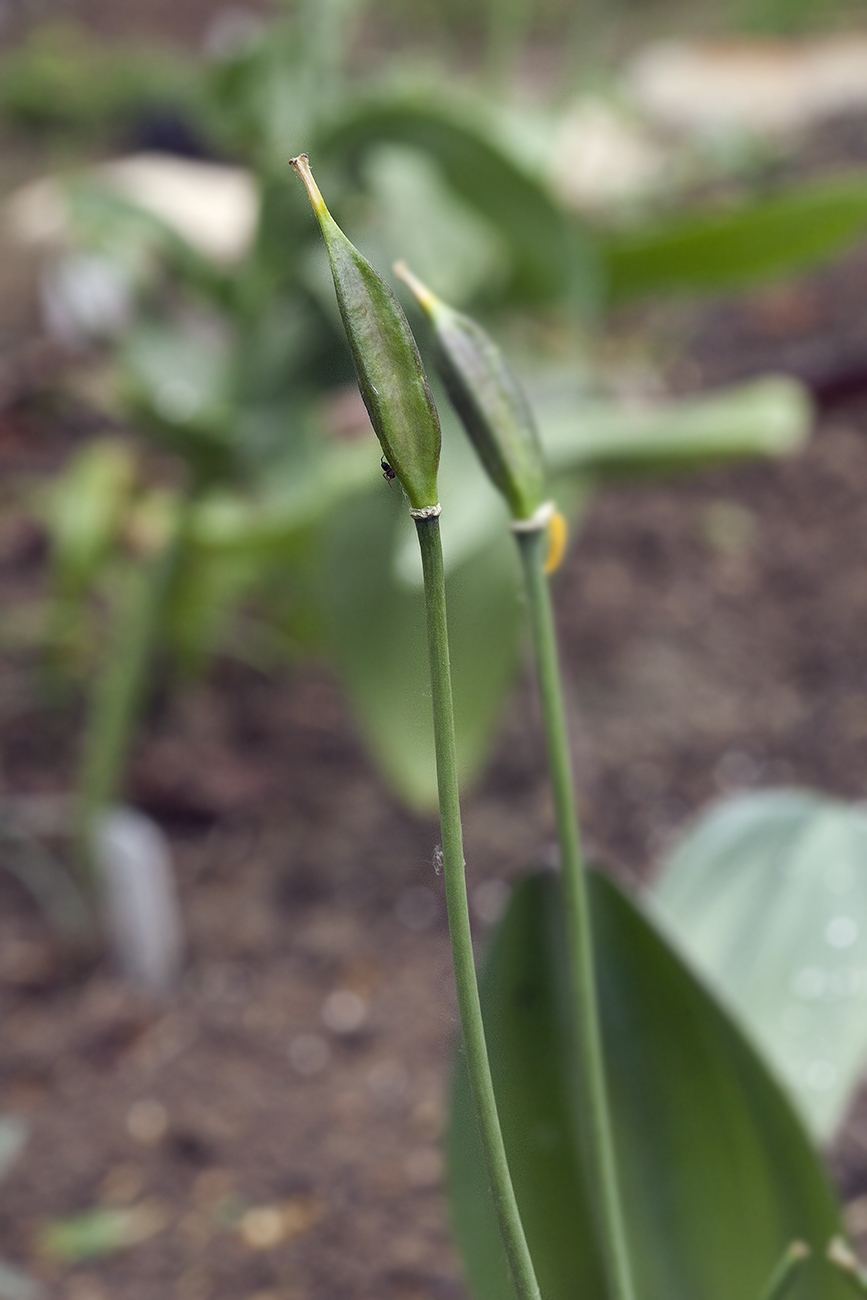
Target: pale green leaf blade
x,y
766,417
767,896
376,623
729,248
552,256
718,1175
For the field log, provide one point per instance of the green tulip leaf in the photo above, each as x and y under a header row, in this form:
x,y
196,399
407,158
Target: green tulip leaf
x,y
767,417
718,1177
767,897
85,509
756,240
552,256
378,629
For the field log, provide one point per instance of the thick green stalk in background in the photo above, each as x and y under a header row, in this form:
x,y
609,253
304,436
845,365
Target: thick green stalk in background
x,y
478,1067
119,689
533,546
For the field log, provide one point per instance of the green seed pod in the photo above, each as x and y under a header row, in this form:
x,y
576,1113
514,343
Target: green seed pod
x,y
489,401
390,372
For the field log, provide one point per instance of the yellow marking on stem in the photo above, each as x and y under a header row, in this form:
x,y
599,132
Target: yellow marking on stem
x,y
558,535
302,167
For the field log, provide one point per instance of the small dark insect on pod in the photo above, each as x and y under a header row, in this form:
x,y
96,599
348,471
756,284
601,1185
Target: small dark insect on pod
x,y
387,472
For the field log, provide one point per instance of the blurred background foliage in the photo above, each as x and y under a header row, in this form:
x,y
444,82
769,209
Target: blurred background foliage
x,y
235,504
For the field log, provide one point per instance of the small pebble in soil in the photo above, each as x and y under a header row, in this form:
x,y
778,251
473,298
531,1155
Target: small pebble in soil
x,y
344,1012
309,1053
856,1216
265,1226
736,770
147,1122
262,1227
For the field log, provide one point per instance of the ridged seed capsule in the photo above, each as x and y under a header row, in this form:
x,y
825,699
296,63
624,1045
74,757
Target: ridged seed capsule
x,y
391,376
492,406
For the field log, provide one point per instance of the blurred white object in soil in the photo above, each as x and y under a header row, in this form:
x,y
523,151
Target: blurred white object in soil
x,y
87,295
755,86
84,297
213,207
140,899
605,156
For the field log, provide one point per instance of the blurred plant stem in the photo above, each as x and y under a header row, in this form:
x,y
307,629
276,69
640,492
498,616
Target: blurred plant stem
x,y
784,1275
121,684
533,547
478,1066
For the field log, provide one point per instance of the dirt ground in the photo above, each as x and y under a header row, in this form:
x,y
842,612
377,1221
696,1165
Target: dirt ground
x,y
275,1124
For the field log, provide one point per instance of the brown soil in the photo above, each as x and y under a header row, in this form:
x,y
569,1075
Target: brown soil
x,y
272,1150
712,633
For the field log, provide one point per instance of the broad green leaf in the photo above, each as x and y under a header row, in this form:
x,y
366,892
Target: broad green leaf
x,y
729,248
295,498
180,380
768,417
417,215
552,256
103,1230
718,1176
85,509
767,896
377,626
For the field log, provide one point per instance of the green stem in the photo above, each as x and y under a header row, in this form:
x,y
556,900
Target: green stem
x,y
600,1141
785,1273
118,691
478,1066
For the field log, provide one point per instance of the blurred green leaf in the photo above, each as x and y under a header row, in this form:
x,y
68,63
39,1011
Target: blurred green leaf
x,y
767,896
377,627
179,378
727,249
100,1231
85,508
552,257
417,215
767,417
294,499
61,79
718,1176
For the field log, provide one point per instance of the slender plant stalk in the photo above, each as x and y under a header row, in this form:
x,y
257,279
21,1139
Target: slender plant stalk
x,y
118,692
603,1168
459,916
786,1272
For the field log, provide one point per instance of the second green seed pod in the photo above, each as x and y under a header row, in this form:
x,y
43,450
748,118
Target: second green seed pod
x,y
489,401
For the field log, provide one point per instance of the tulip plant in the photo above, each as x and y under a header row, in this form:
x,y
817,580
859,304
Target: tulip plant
x,y
613,1132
